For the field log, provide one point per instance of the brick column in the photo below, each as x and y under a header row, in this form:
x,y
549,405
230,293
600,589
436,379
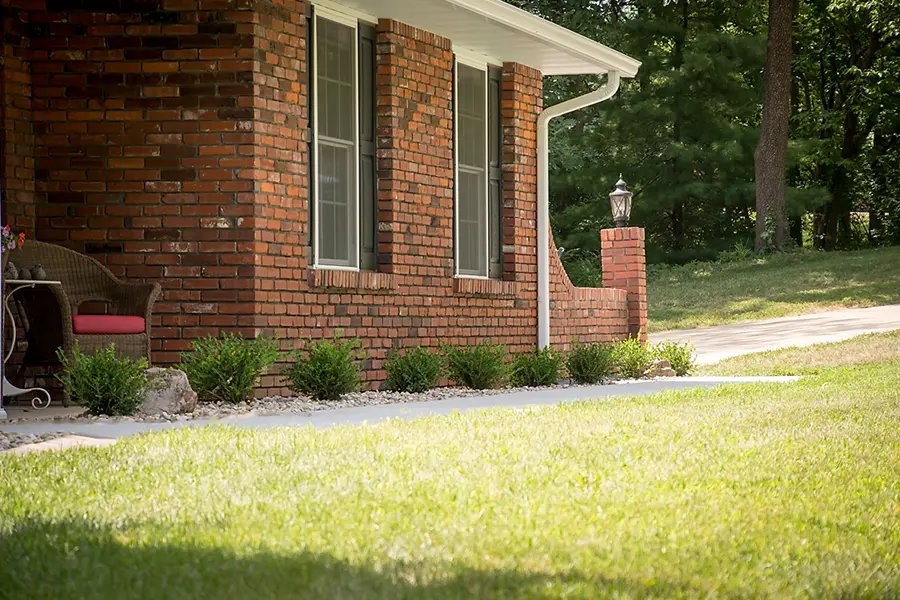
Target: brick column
x,y
625,268
520,103
414,86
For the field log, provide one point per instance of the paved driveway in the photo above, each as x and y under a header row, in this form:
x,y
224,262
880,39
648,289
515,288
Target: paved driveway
x,y
716,343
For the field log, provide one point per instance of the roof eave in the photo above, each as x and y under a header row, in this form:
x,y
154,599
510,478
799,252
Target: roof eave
x,y
605,58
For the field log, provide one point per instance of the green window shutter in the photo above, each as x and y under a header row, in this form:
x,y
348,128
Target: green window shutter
x,y
368,183
310,128
495,176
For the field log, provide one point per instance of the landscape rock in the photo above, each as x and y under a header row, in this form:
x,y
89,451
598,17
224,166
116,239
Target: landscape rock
x,y
9,440
169,393
661,368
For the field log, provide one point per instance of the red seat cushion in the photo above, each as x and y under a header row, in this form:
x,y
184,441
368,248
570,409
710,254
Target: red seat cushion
x,y
107,324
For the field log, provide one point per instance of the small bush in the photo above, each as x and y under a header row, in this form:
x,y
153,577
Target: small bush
x,y
632,358
583,267
479,367
104,383
325,369
590,363
416,370
536,368
680,356
227,368
740,252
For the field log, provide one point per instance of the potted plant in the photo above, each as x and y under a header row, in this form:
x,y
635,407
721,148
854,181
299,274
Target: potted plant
x,y
9,241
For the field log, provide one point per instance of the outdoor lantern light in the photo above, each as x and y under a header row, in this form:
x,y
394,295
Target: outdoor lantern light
x,y
620,202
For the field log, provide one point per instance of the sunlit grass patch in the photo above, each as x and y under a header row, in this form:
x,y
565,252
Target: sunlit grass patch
x,y
765,490
707,294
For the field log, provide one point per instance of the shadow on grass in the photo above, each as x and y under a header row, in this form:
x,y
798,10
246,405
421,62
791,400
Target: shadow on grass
x,y
72,559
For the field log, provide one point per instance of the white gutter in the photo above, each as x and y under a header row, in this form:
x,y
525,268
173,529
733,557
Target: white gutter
x,y
607,91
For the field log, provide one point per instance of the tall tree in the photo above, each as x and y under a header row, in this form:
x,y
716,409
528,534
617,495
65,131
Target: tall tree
x,y
771,153
846,69
682,132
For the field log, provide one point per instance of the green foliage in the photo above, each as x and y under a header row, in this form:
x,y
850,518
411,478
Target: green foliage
x,y
632,358
325,369
584,267
416,370
479,367
590,363
104,383
740,252
227,368
683,132
680,356
536,368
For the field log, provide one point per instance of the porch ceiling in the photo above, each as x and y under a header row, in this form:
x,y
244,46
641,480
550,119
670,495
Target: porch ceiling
x,y
502,32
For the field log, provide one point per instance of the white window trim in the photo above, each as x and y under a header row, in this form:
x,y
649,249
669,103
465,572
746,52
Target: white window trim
x,y
482,66
343,19
341,14
470,58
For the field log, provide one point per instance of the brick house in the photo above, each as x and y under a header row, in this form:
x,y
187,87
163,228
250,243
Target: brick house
x,y
298,168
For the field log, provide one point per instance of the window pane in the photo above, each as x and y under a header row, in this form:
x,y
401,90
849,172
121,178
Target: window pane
x,y
337,220
336,48
472,223
471,118
335,52
471,185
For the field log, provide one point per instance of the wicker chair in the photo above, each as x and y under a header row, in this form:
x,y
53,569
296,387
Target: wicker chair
x,y
51,313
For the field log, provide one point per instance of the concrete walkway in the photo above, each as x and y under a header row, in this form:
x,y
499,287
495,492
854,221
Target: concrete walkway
x,y
374,414
717,343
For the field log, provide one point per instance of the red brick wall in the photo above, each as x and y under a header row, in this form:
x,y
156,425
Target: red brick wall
x,y
143,139
520,104
577,314
415,152
280,177
171,142
583,314
625,268
16,135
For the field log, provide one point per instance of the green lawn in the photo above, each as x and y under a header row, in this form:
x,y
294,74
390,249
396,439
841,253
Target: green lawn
x,y
765,490
706,294
810,360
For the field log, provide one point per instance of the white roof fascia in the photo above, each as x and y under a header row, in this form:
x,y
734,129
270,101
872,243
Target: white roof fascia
x,y
568,53
564,39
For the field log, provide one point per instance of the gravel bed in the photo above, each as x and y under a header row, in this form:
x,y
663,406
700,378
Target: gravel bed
x,y
279,405
8,440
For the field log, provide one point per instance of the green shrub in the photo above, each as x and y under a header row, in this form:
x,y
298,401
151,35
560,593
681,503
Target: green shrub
x,y
102,382
680,356
583,267
416,370
479,367
325,369
739,252
590,363
632,358
536,368
228,368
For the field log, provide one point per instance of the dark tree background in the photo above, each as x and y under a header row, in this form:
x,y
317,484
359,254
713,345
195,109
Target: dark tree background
x,y
684,131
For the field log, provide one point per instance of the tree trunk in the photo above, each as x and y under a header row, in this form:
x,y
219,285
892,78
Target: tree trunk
x,y
677,215
771,153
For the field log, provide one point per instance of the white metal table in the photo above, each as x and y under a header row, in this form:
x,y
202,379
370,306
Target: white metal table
x,y
8,388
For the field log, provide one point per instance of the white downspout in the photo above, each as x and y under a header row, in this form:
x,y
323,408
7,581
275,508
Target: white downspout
x,y
606,92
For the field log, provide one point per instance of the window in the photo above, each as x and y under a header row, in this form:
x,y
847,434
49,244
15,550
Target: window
x,y
343,131
478,172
